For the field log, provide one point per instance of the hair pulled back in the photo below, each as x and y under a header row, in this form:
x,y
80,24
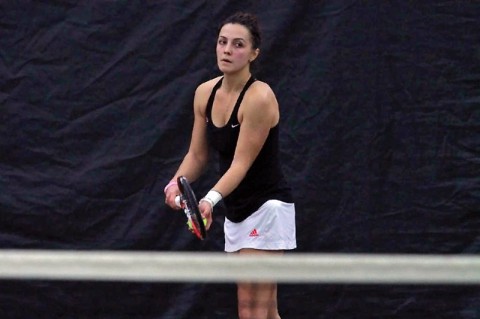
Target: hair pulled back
x,y
250,22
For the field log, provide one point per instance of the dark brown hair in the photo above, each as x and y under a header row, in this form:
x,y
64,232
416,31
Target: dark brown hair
x,y
250,22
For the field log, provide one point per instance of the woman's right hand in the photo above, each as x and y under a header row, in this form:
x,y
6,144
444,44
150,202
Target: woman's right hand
x,y
170,194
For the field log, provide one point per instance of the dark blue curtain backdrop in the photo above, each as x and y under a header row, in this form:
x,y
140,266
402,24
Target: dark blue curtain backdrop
x,y
380,105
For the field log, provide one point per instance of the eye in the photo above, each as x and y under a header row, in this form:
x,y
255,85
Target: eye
x,y
221,41
239,44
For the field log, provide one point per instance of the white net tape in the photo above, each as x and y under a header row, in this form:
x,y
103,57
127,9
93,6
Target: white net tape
x,y
223,268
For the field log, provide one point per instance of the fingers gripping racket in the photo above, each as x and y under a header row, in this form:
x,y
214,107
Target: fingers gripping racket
x,y
188,202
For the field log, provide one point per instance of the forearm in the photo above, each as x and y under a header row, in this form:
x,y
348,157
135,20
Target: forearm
x,y
227,183
231,179
191,167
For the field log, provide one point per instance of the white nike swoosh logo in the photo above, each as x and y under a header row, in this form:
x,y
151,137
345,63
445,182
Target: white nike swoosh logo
x,y
235,125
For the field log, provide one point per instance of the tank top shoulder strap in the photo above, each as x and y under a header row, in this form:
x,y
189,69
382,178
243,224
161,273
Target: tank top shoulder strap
x,y
208,110
234,116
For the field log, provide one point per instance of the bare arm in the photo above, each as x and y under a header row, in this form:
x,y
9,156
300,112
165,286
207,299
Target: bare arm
x,y
196,158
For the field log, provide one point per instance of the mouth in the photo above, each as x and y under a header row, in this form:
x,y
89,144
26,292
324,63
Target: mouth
x,y
225,60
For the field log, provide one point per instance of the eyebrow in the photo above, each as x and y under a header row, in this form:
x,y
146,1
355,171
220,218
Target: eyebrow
x,y
234,39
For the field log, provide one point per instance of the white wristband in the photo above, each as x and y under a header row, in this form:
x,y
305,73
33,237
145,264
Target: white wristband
x,y
213,197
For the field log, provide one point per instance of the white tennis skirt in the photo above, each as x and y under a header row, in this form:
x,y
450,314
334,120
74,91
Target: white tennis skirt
x,y
271,227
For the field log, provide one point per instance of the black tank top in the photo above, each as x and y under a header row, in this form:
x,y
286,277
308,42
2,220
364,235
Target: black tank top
x,y
264,180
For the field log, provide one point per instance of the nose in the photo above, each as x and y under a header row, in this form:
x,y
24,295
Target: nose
x,y
227,49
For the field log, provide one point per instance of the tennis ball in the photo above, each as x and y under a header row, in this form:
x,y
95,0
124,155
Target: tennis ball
x,y
190,226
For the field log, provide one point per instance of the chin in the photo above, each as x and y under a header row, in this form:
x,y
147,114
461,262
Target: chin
x,y
227,70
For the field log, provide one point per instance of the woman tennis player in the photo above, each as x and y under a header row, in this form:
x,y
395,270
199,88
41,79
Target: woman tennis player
x,y
238,116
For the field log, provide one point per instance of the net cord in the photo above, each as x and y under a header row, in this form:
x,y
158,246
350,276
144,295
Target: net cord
x,y
223,268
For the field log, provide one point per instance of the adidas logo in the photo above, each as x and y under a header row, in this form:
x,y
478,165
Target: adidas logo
x,y
253,233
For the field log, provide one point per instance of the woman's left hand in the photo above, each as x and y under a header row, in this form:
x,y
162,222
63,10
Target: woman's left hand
x,y
207,212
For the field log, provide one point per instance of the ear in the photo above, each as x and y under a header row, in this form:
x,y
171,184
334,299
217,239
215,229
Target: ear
x,y
254,55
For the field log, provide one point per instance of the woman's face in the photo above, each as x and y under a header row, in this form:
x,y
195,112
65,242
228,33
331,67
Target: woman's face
x,y
234,48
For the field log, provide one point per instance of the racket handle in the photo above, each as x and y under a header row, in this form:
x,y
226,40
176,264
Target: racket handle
x,y
177,201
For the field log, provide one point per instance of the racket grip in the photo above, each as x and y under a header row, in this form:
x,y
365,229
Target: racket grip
x,y
177,201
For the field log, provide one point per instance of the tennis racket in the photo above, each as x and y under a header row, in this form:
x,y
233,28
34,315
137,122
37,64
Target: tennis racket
x,y
188,202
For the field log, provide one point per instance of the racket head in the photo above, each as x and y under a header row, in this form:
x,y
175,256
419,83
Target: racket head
x,y
191,207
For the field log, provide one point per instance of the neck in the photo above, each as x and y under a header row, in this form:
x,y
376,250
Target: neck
x,y
235,82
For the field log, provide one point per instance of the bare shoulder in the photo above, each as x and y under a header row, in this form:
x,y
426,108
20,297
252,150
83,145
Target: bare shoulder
x,y
261,93
261,104
202,93
206,87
